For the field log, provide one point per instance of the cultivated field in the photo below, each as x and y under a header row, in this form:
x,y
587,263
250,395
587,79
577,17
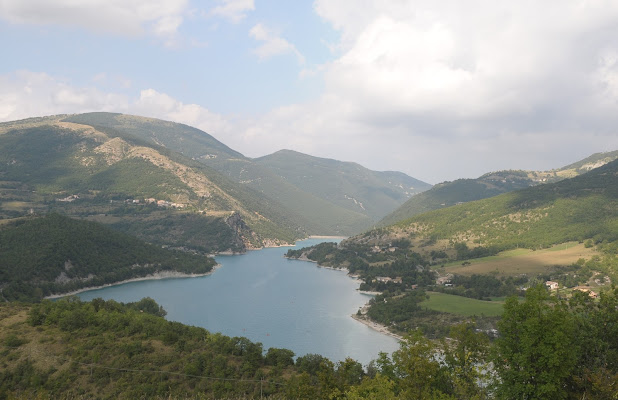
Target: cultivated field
x,y
462,305
523,261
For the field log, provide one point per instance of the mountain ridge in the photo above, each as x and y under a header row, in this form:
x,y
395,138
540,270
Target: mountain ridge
x,y
321,214
490,184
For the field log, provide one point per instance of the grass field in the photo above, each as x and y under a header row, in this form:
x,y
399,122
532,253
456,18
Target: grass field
x,y
523,261
462,305
16,205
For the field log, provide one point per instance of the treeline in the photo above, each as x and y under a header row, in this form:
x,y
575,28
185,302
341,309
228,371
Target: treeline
x,y
484,287
548,348
401,262
40,256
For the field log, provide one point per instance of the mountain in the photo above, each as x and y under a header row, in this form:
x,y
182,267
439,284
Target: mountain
x,y
447,194
356,197
346,184
575,209
40,256
565,231
110,176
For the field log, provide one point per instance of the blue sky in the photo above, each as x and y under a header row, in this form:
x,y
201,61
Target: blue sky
x,y
438,89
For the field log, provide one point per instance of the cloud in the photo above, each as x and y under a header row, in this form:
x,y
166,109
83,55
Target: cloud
x,y
487,85
160,105
25,94
439,89
233,10
160,18
273,44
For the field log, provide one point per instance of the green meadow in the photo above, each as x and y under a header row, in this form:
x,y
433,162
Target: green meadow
x,y
462,305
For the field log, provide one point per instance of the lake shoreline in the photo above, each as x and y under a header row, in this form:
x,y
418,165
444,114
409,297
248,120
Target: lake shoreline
x,y
376,326
264,298
151,277
362,319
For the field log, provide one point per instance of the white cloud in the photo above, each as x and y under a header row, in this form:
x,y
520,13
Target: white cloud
x,y
272,44
160,105
25,94
439,89
233,10
123,17
490,85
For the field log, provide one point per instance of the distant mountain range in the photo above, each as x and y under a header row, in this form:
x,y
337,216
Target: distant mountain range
x,y
573,209
110,176
329,197
447,194
177,186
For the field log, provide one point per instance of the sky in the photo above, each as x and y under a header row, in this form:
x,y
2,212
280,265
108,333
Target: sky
x,y
438,89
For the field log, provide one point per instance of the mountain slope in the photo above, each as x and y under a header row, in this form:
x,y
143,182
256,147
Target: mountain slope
x,y
367,197
40,256
48,164
349,185
491,184
580,208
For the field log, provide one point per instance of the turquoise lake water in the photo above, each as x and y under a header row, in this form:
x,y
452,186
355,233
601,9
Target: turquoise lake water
x,y
269,299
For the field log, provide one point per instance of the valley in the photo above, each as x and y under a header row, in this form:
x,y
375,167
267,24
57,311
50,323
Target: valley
x,y
91,200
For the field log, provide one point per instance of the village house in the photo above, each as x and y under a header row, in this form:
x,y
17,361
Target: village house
x,y
69,199
552,285
443,280
584,289
386,279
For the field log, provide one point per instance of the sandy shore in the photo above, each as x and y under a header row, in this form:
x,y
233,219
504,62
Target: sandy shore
x,y
369,292
375,326
155,276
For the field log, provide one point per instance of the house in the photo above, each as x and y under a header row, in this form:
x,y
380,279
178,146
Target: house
x,y
552,285
443,280
584,289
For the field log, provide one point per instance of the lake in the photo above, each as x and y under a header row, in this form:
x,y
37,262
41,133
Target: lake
x,y
269,299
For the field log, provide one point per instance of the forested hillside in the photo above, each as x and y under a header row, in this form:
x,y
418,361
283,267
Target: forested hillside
x,y
346,184
107,350
41,256
580,208
448,194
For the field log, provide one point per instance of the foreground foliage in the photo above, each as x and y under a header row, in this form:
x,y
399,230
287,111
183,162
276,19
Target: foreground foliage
x,y
548,349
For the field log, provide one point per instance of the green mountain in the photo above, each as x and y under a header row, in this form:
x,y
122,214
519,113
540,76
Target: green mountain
x,y
108,175
447,194
40,256
327,196
575,209
346,184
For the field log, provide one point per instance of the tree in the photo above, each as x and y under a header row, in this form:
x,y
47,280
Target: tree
x,y
465,358
279,357
417,367
378,388
536,351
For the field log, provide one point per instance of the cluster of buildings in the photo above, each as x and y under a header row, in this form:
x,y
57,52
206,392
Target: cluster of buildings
x,y
162,203
551,285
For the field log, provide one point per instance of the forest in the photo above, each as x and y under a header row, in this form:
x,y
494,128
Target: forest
x,y
40,256
547,348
